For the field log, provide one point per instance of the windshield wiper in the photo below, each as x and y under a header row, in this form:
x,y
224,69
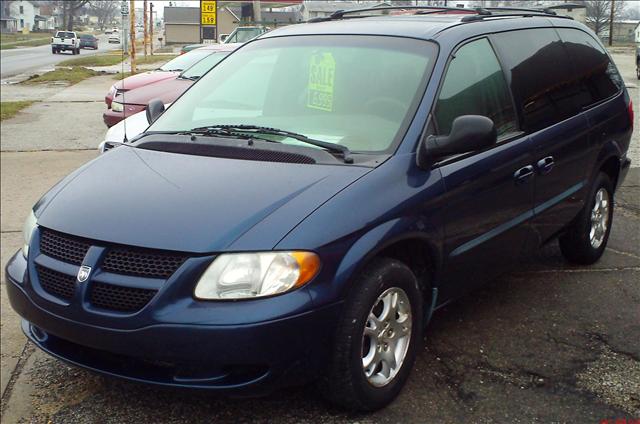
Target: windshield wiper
x,y
256,129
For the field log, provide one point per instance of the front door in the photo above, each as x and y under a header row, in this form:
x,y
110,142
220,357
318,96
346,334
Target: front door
x,y
489,197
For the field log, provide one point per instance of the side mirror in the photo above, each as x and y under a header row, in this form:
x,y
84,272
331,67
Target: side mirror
x,y
108,145
223,37
154,110
468,133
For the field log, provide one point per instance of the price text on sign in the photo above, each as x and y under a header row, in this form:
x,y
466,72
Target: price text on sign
x,y
322,73
208,12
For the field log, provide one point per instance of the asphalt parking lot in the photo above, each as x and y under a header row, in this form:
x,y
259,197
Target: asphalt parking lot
x,y
548,342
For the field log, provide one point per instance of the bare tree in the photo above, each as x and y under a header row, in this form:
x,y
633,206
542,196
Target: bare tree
x,y
599,13
104,10
70,9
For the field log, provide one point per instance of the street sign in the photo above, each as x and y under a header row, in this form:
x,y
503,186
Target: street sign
x,y
208,11
124,9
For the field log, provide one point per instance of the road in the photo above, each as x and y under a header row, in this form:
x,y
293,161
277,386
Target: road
x,y
29,59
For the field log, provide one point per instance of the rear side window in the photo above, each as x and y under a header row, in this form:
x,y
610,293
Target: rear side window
x,y
541,77
592,67
475,85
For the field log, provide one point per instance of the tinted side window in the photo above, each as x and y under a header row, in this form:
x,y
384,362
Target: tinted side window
x,y
475,85
541,77
591,65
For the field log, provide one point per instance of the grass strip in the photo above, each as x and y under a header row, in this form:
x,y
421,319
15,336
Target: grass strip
x,y
10,109
95,60
71,75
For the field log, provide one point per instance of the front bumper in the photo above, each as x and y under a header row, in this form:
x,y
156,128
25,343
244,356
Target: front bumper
x,y
253,358
111,118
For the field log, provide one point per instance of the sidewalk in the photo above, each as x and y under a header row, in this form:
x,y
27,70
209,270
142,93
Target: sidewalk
x,y
65,118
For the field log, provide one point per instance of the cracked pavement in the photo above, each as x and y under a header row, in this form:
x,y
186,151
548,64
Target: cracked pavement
x,y
547,342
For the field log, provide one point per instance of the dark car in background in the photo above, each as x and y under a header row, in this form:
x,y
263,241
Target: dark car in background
x,y
88,41
132,101
301,211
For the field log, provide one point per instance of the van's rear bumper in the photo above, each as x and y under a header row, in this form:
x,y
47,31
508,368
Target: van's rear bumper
x,y
248,359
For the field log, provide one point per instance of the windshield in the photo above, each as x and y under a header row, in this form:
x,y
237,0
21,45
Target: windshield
x,y
242,35
202,67
186,60
357,91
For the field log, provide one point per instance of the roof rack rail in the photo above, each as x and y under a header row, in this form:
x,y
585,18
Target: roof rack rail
x,y
340,14
475,14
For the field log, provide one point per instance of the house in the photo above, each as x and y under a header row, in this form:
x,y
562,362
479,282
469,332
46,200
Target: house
x,y
182,24
275,19
637,33
24,12
7,22
322,9
625,31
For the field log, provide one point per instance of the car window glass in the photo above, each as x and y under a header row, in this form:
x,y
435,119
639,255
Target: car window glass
x,y
592,67
321,86
201,68
541,77
186,60
475,85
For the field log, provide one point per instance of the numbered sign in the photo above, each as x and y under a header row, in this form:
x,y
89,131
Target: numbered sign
x,y
208,11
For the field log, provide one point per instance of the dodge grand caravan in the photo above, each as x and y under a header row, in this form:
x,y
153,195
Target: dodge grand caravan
x,y
299,213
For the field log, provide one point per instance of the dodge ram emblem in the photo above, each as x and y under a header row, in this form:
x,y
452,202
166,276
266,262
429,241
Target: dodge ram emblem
x,y
83,273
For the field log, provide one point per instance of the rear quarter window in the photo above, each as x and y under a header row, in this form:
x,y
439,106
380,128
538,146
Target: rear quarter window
x,y
592,68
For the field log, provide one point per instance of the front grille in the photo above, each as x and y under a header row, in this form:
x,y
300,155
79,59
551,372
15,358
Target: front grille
x,y
56,283
118,298
142,262
63,247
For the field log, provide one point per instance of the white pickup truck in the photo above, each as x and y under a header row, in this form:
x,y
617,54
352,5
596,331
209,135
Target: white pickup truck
x,y
65,40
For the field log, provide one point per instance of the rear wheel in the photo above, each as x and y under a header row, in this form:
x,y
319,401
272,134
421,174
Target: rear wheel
x,y
586,237
377,338
54,51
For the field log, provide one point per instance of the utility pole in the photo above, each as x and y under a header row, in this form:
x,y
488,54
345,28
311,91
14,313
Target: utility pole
x,y
257,11
151,28
146,33
132,30
613,7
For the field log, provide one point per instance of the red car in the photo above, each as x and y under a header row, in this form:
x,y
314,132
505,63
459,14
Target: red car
x,y
169,70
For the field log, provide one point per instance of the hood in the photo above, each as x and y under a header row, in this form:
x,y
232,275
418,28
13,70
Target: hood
x,y
140,80
188,203
166,90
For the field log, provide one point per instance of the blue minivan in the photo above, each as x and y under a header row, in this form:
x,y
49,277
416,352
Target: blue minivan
x,y
299,213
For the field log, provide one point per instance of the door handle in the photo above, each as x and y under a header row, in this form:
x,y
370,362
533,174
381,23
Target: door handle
x,y
522,175
545,165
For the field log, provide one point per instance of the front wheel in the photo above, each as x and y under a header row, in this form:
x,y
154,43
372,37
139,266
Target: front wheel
x,y
586,237
377,339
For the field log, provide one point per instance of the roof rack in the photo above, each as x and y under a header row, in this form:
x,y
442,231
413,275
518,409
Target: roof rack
x,y
474,14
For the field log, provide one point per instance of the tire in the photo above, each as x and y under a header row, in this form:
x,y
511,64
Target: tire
x,y
345,383
54,51
586,237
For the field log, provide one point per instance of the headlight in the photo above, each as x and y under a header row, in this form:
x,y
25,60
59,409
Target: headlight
x,y
27,231
250,275
117,107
